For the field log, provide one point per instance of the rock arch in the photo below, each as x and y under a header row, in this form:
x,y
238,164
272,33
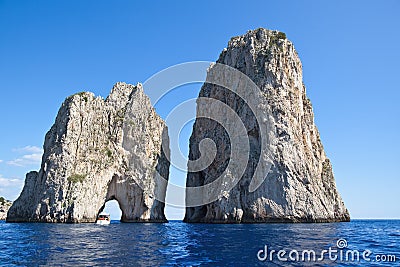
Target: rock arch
x,y
106,207
98,150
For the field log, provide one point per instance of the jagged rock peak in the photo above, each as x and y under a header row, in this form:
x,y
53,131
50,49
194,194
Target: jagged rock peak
x,y
300,185
99,150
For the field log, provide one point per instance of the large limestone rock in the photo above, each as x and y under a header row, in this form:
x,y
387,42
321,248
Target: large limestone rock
x,y
99,150
4,206
300,185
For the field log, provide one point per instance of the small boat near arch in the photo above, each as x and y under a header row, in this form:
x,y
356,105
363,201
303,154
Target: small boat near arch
x,y
103,218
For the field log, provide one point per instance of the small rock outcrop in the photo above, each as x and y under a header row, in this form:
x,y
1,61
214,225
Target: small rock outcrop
x,y
300,185
99,150
4,206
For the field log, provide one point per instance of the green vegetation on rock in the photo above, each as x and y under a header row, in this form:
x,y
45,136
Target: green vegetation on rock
x,y
75,178
276,37
281,35
109,152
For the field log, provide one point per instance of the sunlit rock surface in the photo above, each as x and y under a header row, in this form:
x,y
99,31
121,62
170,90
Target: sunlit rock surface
x,y
99,150
300,186
4,206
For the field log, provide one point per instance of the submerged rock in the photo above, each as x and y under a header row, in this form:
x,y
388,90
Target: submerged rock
x,y
99,150
300,185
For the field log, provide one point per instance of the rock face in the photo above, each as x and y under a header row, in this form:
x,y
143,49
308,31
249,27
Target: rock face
x,y
4,206
99,150
300,185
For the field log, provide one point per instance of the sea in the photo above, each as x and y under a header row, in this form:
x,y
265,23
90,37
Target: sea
x,y
356,243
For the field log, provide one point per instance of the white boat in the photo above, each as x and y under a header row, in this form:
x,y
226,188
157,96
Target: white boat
x,y
103,219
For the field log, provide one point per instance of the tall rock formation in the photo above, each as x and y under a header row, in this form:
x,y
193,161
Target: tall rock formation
x,y
300,185
99,150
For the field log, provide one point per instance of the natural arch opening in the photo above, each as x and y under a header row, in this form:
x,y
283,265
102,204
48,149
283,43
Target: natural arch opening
x,y
113,208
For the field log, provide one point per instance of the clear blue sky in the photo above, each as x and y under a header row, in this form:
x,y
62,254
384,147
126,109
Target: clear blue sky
x,y
349,49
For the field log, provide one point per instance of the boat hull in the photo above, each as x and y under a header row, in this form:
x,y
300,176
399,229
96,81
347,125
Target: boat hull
x,y
102,222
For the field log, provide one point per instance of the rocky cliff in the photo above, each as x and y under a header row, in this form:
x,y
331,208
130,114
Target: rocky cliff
x,y
4,206
299,185
99,150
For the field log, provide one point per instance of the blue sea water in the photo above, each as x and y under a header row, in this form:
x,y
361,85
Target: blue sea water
x,y
180,244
